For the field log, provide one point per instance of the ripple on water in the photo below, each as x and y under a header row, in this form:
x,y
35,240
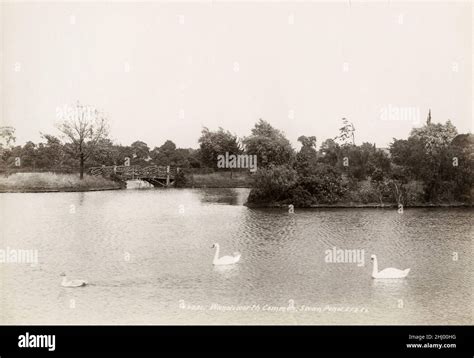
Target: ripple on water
x,y
145,250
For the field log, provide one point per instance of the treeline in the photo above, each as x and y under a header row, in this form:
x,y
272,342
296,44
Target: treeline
x,y
434,164
52,154
55,154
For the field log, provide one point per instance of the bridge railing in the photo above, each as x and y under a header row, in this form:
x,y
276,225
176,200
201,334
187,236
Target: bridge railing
x,y
136,171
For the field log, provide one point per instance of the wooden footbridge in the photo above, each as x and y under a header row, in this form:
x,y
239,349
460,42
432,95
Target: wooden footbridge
x,y
155,175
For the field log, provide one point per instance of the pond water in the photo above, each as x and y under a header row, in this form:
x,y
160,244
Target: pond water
x,y
148,259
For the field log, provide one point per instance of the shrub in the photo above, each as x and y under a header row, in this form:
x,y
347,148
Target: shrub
x,y
446,192
180,179
368,192
324,184
300,197
272,184
413,192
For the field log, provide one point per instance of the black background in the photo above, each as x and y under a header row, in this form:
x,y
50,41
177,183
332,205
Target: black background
x,y
235,340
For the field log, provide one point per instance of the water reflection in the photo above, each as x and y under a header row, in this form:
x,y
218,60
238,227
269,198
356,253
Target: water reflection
x,y
229,196
389,284
390,288
226,271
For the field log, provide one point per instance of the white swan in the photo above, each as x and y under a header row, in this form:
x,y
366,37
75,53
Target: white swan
x,y
72,283
224,260
388,272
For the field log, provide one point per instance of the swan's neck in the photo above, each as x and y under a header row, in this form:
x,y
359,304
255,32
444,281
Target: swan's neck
x,y
375,267
216,255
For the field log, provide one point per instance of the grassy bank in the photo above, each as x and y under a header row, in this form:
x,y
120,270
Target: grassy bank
x,y
50,182
219,180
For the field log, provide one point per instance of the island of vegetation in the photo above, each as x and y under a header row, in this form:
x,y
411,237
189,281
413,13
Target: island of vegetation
x,y
432,167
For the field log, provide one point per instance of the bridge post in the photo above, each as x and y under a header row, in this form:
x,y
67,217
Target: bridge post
x,y
168,175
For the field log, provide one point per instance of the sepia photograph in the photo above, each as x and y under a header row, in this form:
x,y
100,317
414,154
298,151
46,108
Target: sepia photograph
x,y
236,163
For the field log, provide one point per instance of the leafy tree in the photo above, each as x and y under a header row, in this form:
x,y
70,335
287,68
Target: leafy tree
x,y
424,155
269,145
164,154
379,160
168,148
409,155
182,157
7,137
458,166
140,150
307,156
194,158
363,160
217,143
28,155
435,137
52,151
106,153
330,152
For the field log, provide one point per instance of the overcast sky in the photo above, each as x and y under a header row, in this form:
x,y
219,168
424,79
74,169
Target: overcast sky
x,y
163,71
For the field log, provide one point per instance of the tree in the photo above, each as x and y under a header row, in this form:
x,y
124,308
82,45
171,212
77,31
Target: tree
x,y
217,143
308,143
168,154
363,160
458,166
409,155
379,160
107,153
51,153
7,137
307,156
164,154
141,152
168,148
194,158
28,155
330,152
425,155
269,145
435,137
84,127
